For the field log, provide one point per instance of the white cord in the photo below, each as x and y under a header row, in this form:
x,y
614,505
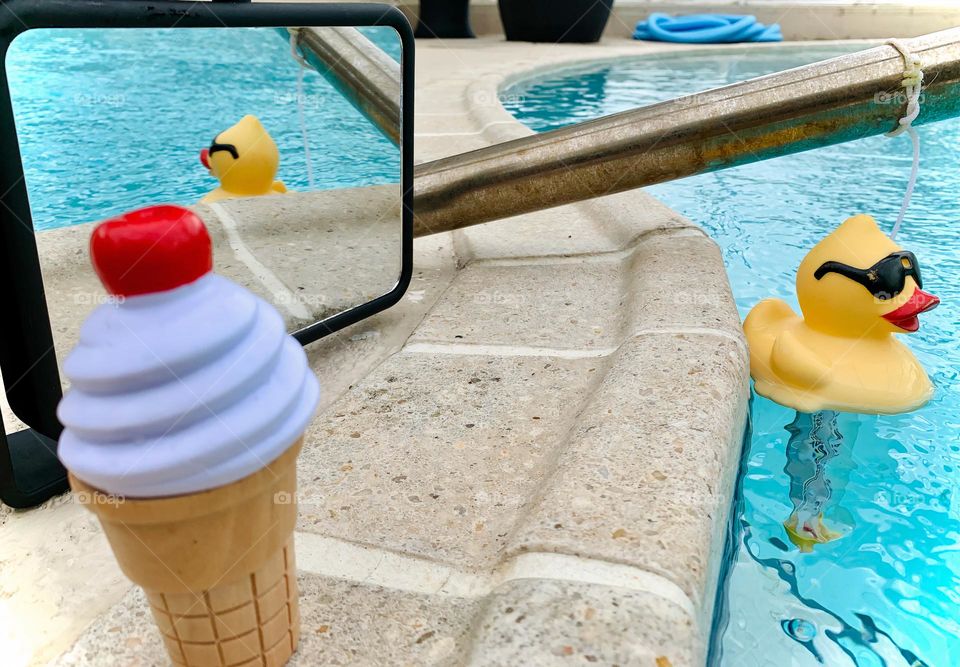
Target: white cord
x,y
912,82
295,52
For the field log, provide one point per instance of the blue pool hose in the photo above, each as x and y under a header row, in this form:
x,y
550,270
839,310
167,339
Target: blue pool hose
x,y
706,29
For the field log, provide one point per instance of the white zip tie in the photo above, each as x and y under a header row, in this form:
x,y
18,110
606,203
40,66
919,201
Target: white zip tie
x,y
912,82
295,52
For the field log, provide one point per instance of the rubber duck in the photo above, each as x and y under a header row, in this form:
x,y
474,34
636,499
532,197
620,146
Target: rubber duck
x,y
244,159
856,289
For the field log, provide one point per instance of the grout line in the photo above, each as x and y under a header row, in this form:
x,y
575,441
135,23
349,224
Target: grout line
x,y
331,557
282,296
494,350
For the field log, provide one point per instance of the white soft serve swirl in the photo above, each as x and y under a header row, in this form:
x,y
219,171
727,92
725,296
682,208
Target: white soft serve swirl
x,y
183,391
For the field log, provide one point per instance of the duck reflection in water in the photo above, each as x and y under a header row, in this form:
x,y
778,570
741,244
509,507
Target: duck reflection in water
x,y
815,441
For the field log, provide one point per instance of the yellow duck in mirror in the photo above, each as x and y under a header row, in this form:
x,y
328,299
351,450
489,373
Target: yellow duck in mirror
x,y
856,289
244,159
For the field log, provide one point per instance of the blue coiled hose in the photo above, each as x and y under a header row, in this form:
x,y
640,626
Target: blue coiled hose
x,y
706,29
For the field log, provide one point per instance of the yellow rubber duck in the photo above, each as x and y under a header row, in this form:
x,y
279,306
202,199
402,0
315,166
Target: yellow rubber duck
x,y
244,159
856,288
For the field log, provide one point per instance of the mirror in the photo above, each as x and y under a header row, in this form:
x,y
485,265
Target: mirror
x,y
290,140
299,189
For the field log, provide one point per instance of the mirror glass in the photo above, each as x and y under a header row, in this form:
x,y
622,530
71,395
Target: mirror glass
x,y
296,173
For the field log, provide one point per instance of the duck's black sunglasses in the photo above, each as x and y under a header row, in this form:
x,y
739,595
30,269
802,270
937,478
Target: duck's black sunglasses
x,y
230,148
885,279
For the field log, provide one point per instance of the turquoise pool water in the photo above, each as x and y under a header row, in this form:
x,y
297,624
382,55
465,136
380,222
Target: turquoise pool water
x,y
110,120
887,591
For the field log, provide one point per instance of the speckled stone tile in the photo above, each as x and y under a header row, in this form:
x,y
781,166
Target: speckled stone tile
x,y
678,282
536,622
629,216
564,306
647,475
340,360
437,455
668,281
346,623
601,225
342,623
58,574
438,147
574,229
451,125
123,636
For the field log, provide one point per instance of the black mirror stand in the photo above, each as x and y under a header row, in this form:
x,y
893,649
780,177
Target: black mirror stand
x,y
30,471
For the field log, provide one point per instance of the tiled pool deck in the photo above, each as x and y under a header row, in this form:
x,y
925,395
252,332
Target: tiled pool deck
x,y
529,460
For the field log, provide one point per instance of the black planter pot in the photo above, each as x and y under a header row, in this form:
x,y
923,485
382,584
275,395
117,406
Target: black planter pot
x,y
554,20
446,19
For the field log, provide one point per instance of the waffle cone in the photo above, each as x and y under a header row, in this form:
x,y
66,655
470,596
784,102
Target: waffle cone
x,y
217,566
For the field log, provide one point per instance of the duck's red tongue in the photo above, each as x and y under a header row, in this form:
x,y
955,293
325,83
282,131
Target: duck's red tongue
x,y
205,158
905,316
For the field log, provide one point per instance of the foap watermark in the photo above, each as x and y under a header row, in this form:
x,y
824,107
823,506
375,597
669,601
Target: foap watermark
x,y
511,98
895,97
298,498
694,100
884,298
313,301
305,100
93,498
97,299
490,97
498,298
920,301
99,100
696,298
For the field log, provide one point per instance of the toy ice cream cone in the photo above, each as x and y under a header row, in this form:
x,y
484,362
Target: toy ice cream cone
x,y
182,429
217,566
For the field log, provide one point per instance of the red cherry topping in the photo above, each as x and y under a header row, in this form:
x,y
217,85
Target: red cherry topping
x,y
150,250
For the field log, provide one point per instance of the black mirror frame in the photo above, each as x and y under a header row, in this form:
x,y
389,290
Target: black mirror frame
x,y
29,469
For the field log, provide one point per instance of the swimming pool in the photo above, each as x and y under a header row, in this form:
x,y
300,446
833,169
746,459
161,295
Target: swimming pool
x,y
110,120
887,590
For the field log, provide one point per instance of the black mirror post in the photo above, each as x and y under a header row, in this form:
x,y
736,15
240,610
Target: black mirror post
x,y
30,471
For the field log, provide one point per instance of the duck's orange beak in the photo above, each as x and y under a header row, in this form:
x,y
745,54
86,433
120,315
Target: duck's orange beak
x,y
205,158
905,316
